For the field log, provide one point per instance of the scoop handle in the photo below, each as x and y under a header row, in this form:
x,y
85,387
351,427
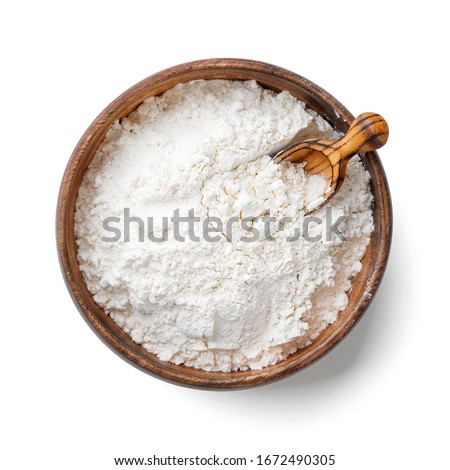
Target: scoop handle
x,y
368,132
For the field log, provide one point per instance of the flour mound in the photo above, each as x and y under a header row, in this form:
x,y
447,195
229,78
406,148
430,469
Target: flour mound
x,y
230,304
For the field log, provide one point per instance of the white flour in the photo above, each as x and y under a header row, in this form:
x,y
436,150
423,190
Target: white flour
x,y
231,304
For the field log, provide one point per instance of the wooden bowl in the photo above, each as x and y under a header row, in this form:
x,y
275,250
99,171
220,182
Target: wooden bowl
x,y
364,285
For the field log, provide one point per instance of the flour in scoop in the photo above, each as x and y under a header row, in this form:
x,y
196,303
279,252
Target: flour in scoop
x,y
259,291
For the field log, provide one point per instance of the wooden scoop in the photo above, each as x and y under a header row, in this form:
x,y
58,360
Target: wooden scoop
x,y
329,158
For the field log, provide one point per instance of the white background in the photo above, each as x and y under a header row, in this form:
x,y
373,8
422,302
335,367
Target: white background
x,y
380,399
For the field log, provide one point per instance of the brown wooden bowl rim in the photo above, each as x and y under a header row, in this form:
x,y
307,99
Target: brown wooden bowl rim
x,y
106,328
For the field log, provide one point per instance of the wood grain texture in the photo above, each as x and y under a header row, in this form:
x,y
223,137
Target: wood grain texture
x,y
329,158
364,285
